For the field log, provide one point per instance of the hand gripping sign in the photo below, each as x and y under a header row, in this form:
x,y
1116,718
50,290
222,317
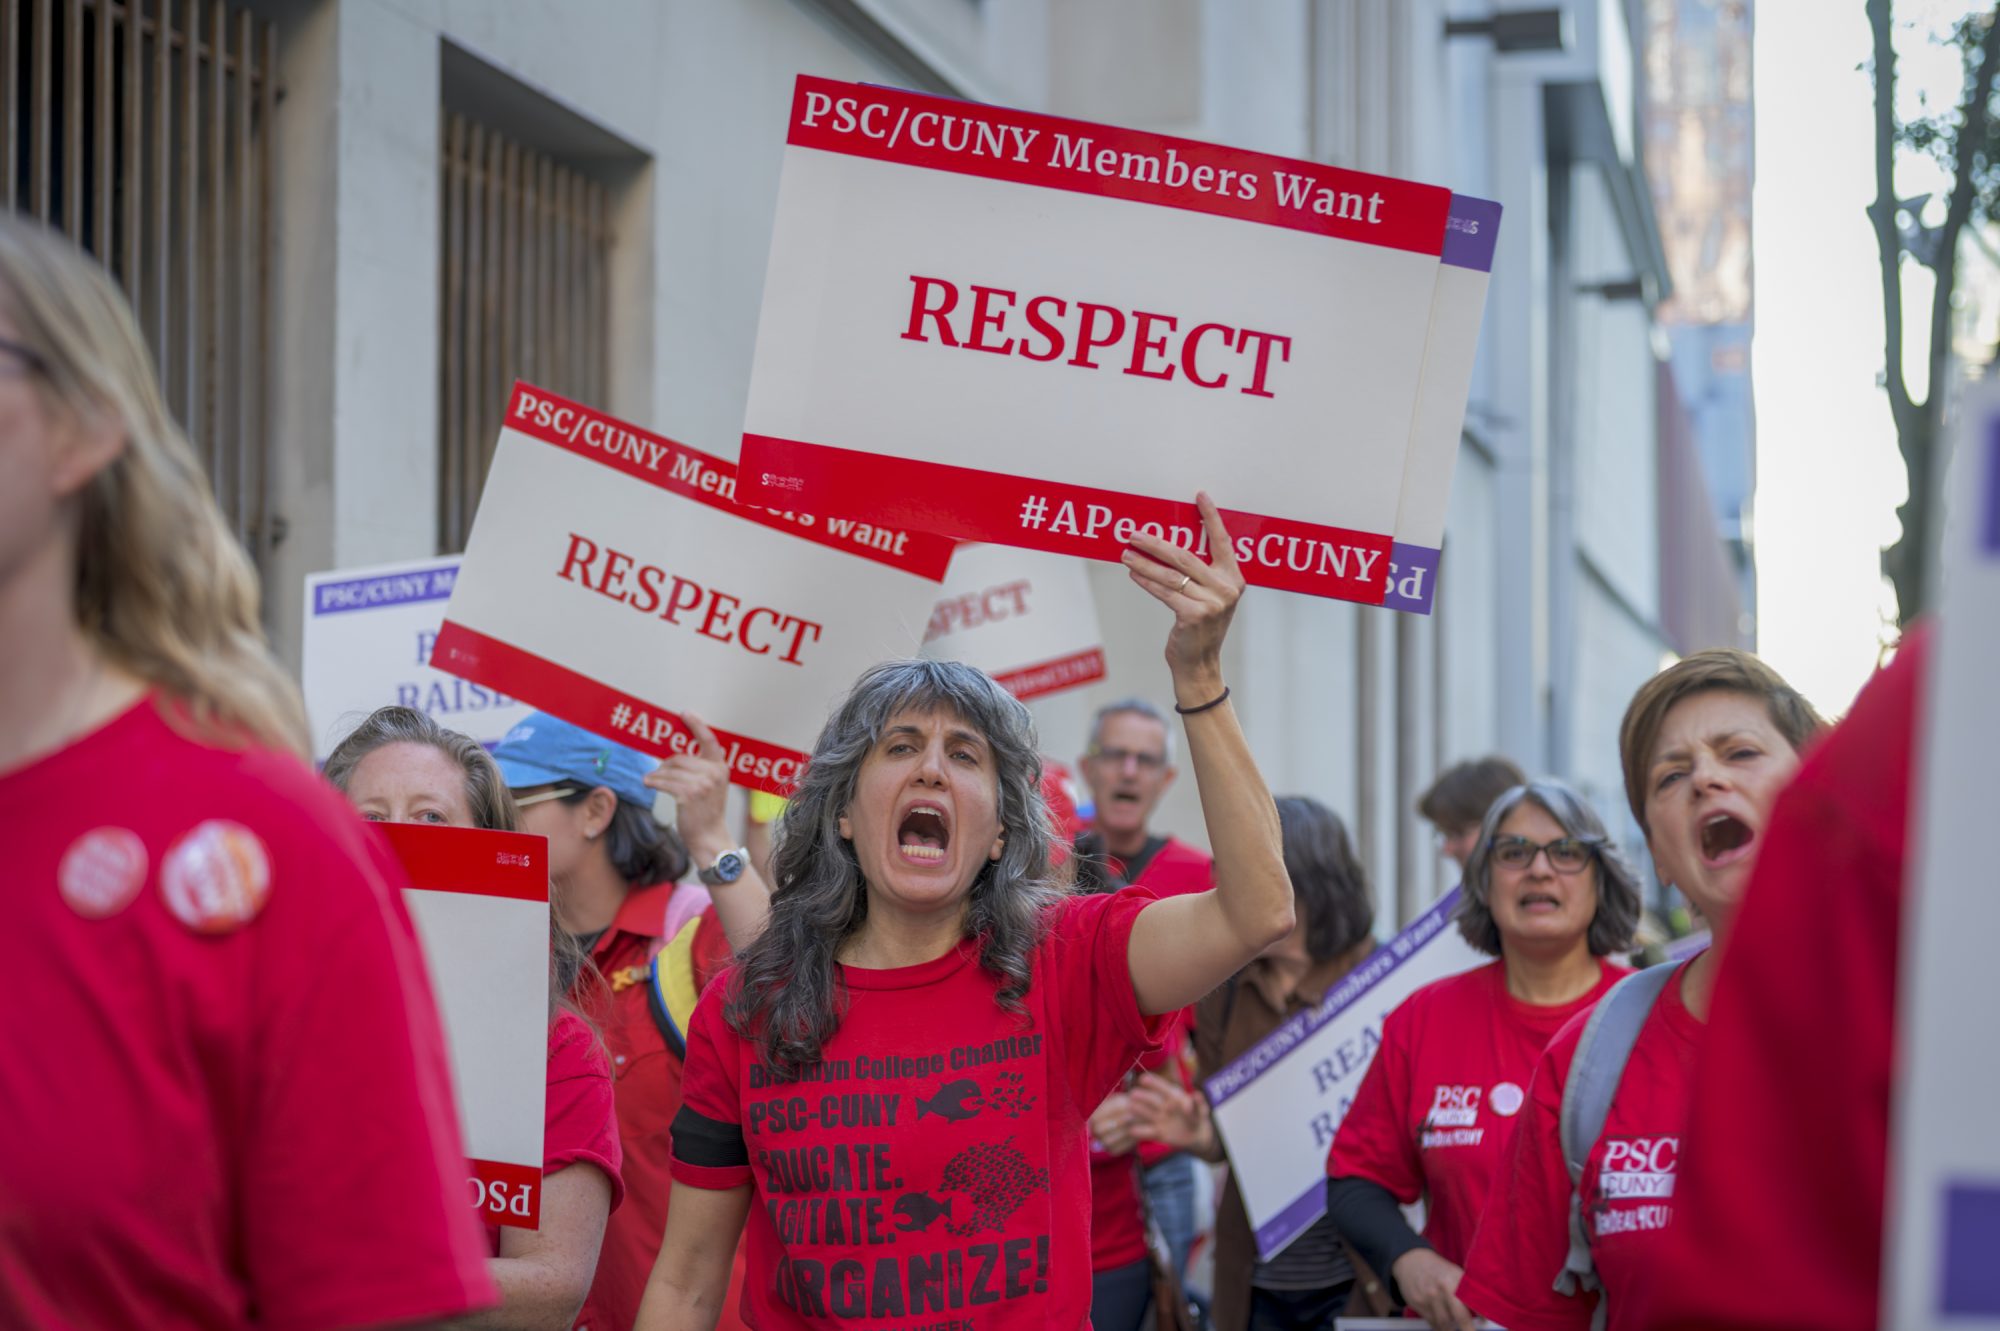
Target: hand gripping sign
x,y
1280,1104
1944,1204
480,901
1015,328
367,644
613,579
1024,617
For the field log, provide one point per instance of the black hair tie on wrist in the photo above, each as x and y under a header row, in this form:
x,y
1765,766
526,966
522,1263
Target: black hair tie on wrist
x,y
1213,702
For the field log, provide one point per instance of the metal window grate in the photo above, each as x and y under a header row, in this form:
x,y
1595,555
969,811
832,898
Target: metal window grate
x,y
142,129
525,248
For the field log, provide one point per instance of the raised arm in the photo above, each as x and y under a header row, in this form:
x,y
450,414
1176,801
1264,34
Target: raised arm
x,y
699,782
1184,946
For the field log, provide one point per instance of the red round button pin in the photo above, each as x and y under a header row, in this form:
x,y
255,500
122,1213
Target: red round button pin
x,y
102,871
217,877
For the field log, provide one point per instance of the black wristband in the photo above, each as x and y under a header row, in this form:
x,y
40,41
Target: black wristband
x,y
1213,702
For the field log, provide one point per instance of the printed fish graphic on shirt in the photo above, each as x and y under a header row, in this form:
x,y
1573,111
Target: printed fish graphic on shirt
x,y
916,1210
997,1179
957,1101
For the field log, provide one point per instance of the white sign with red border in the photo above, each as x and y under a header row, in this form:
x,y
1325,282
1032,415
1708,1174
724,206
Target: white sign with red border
x,y
1024,617
612,579
1026,330
367,644
480,901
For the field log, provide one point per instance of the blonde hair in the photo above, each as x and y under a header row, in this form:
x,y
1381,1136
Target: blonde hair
x,y
162,587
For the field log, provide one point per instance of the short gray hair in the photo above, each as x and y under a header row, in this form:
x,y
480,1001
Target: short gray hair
x,y
1618,900
1136,707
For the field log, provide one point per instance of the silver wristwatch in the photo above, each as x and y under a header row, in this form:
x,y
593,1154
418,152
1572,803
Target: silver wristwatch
x,y
728,867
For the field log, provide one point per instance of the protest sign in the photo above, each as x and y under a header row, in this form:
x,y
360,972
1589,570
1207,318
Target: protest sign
x,y
480,901
612,579
1024,617
1944,1204
1160,316
367,644
1279,1105
1457,308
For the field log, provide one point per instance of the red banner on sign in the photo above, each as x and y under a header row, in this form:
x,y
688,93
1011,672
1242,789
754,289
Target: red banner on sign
x,y
940,134
976,505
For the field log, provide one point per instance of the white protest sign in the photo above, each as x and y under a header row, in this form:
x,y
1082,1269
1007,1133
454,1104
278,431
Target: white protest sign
x,y
1280,1104
1159,316
480,901
1024,617
612,579
367,644
1944,1230
1457,308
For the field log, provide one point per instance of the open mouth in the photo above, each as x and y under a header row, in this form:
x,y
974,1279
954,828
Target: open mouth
x,y
1535,903
923,834
1724,837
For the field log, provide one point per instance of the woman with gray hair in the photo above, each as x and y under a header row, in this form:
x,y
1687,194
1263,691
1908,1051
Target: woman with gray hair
x,y
899,1071
1547,893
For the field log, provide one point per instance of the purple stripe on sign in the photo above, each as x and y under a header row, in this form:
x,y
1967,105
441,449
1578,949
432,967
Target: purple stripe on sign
x,y
384,589
1413,573
1971,1238
1277,1233
1989,523
1471,233
1386,961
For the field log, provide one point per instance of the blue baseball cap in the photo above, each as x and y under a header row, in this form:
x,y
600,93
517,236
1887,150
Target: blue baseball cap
x,y
544,750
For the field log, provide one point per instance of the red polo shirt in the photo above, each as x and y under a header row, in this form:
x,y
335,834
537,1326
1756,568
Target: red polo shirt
x,y
647,1088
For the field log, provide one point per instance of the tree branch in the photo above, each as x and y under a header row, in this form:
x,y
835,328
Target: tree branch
x,y
1971,140
1883,214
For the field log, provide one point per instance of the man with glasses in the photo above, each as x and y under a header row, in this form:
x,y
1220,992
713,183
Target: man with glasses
x,y
1128,767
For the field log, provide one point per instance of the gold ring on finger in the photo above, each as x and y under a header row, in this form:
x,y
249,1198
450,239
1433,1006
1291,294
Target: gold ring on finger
x,y
1186,578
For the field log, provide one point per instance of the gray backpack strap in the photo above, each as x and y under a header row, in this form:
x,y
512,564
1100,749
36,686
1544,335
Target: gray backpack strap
x,y
1594,1075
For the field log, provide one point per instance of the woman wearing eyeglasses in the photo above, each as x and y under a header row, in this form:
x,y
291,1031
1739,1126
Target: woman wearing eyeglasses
x,y
1706,746
1549,895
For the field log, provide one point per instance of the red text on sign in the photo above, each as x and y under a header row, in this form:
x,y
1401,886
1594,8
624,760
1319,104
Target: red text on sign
x,y
975,608
1151,346
651,590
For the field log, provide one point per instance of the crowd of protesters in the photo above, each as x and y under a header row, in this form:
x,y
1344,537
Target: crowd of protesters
x,y
926,1060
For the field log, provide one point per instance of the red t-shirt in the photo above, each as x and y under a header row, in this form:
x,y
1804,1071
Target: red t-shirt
x,y
1118,1222
1792,1097
578,1125
646,1077
226,1098
1628,1185
933,1167
1436,1108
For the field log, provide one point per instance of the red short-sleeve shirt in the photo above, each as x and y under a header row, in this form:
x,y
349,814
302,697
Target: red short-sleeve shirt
x,y
646,1080
579,1125
1118,1226
226,1097
933,1165
1438,1105
1628,1186
1792,1098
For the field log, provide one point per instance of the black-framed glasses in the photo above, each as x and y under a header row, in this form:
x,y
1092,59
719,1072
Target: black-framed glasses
x,y
30,358
1117,758
1566,854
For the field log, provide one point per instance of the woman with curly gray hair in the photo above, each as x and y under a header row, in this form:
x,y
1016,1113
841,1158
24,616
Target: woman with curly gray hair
x,y
899,1071
1547,893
